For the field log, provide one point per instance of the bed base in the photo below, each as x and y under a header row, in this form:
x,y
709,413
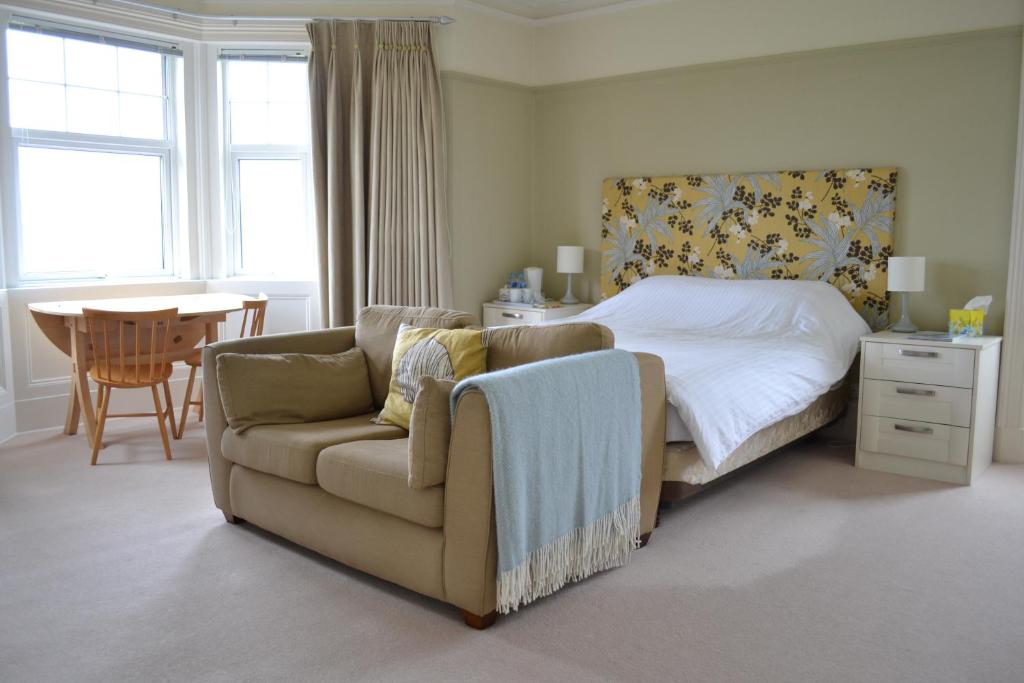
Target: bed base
x,y
828,409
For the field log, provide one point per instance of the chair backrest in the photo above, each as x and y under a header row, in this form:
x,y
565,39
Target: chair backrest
x,y
123,339
254,313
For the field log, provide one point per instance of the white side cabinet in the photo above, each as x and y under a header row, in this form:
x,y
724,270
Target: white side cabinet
x,y
927,409
500,314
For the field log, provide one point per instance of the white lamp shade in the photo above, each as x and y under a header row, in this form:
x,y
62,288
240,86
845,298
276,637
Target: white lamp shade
x,y
906,274
570,259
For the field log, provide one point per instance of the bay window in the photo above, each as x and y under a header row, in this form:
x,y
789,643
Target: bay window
x,y
268,192
92,133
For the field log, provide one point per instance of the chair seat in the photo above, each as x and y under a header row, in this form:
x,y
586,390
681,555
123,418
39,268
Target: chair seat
x,y
376,474
129,375
195,359
290,451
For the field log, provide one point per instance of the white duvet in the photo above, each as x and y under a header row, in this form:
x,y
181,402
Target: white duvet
x,y
739,354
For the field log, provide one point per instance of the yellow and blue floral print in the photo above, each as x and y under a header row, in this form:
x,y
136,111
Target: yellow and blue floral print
x,y
832,225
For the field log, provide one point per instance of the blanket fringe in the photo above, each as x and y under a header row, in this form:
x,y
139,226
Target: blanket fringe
x,y
604,544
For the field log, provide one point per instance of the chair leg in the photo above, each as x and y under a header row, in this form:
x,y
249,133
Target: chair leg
x,y
188,400
160,417
200,402
170,410
101,421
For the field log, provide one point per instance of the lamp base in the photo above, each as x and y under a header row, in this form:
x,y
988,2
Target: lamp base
x,y
569,299
904,324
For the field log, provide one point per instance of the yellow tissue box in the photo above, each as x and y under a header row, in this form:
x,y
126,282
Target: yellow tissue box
x,y
965,323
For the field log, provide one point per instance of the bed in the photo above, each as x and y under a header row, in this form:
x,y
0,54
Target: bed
x,y
755,290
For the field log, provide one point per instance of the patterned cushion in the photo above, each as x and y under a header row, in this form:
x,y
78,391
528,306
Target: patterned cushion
x,y
438,353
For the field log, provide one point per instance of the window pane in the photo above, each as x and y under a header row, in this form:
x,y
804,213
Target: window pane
x,y
247,81
268,102
139,72
97,89
34,57
92,111
37,105
248,123
142,116
91,65
287,81
90,211
288,124
272,220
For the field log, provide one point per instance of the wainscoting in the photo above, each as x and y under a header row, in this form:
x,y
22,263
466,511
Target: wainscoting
x,y
35,377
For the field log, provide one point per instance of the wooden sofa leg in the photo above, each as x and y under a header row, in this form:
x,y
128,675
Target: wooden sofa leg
x,y
479,622
645,539
231,519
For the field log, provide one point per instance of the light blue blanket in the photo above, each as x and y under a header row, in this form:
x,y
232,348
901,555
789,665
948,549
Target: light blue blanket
x,y
566,453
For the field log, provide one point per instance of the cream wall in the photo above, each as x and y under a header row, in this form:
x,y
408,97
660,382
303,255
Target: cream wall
x,y
944,110
490,127
644,36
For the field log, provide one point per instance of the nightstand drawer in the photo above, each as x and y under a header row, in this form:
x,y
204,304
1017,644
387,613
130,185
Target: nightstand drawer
x,y
497,317
921,402
911,439
919,364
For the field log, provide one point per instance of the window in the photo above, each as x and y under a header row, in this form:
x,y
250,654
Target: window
x,y
92,129
268,190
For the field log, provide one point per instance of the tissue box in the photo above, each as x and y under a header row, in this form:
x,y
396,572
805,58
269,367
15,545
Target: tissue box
x,y
966,323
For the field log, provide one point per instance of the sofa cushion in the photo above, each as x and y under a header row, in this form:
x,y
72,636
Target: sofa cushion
x,y
290,451
424,351
375,474
286,388
377,328
521,344
430,431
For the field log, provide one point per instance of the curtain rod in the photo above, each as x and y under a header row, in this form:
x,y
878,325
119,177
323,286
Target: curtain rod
x,y
443,20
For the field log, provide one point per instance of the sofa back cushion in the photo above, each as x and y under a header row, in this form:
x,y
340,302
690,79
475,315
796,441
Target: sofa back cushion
x,y
286,388
430,432
377,328
509,346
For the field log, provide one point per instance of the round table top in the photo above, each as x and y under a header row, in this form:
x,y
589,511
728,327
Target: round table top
x,y
187,304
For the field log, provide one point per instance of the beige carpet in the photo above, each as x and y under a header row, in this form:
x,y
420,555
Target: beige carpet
x,y
803,569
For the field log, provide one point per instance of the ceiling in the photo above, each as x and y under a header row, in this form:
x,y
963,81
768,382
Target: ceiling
x,y
545,9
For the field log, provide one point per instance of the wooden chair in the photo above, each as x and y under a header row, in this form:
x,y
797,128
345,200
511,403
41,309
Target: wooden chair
x,y
254,313
129,351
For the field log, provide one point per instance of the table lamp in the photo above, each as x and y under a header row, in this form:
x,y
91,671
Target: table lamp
x,y
906,274
570,261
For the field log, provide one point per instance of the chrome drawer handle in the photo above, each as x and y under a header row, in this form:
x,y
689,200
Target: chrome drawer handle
x,y
918,354
915,392
912,429
517,316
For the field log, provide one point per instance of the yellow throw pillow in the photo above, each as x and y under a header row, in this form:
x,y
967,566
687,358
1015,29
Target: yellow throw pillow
x,y
441,354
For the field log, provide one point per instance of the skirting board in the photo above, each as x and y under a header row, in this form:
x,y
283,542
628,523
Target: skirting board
x,y
8,426
1010,444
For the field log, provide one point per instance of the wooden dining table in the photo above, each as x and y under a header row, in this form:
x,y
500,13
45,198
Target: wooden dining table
x,y
64,325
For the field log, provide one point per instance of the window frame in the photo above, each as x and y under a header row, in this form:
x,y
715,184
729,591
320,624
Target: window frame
x,y
233,154
166,149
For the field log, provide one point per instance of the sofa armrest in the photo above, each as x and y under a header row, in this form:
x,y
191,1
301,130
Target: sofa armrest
x,y
470,540
334,340
470,561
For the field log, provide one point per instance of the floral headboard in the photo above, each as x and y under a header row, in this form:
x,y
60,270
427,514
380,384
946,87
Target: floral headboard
x,y
832,225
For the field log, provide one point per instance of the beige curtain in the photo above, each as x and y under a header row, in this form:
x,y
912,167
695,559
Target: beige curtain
x,y
379,167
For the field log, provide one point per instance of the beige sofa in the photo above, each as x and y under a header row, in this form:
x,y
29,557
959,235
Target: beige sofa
x,y
340,487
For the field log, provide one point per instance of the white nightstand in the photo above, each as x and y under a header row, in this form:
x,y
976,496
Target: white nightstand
x,y
927,409
498,314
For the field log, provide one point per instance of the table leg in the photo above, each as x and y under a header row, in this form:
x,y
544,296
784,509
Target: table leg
x,y
74,409
80,377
